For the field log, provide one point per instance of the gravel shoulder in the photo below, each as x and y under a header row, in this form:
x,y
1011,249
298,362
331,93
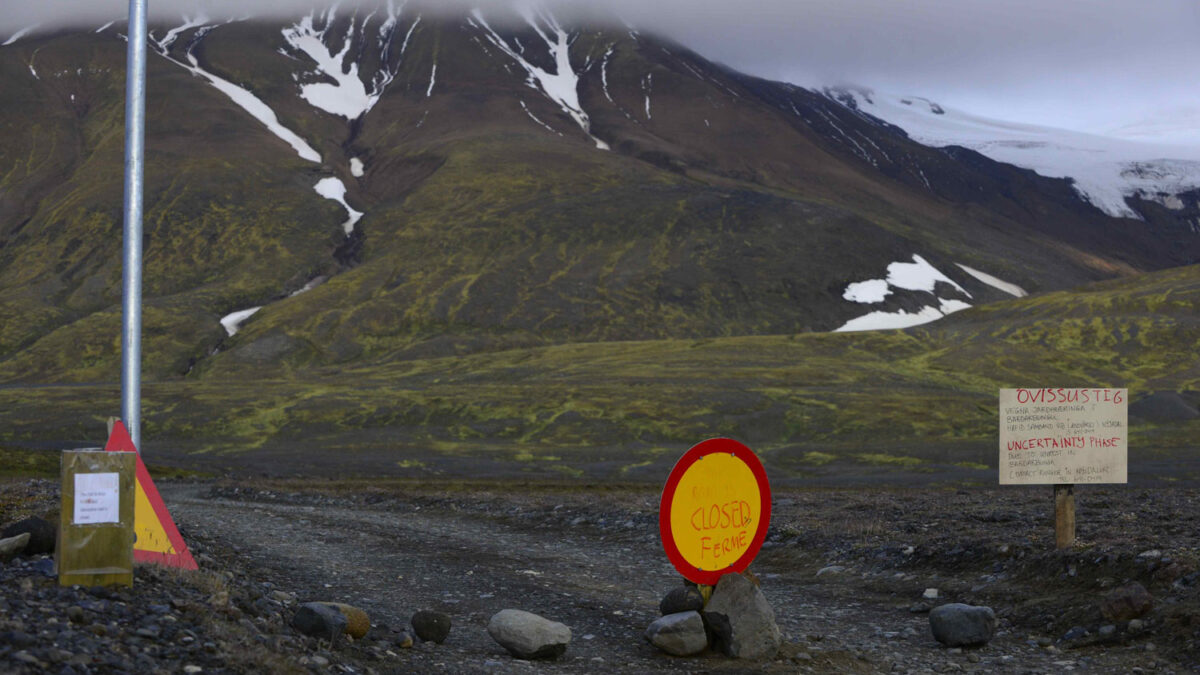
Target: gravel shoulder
x,y
591,558
845,571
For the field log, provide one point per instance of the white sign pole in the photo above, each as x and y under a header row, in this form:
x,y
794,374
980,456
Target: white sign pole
x,y
131,302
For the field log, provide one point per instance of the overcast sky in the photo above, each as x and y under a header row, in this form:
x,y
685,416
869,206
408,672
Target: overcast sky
x,y
1081,64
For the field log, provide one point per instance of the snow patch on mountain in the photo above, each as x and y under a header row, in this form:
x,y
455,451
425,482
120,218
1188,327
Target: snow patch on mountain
x,y
242,97
535,119
335,189
1105,170
999,284
901,318
233,321
868,292
356,167
347,95
164,45
560,86
257,109
105,27
19,34
917,275
432,79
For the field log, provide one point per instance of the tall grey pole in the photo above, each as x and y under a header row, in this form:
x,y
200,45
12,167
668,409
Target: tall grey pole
x,y
135,142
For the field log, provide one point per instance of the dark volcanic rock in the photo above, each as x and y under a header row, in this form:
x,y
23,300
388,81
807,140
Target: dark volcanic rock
x,y
742,619
318,619
1127,602
431,626
959,625
42,534
682,599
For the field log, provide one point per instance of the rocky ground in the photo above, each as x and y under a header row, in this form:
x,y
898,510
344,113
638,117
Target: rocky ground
x,y
846,571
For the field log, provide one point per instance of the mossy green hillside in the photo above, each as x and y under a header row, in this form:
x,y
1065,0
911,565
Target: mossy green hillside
x,y
919,400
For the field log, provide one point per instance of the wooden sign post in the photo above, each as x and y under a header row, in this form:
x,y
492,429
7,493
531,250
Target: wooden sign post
x,y
1064,437
1064,516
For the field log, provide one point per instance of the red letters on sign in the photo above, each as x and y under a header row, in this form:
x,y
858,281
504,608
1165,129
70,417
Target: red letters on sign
x,y
729,514
1064,395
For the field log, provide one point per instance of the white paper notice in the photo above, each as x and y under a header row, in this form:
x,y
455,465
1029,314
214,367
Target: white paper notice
x,y
96,498
1060,435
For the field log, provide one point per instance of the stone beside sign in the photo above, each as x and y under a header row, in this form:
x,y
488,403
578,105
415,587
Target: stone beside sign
x,y
1061,435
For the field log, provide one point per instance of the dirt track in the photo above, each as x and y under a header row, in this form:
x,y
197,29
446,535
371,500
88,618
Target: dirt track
x,y
591,559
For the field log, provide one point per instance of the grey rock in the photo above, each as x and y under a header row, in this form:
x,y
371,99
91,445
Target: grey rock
x,y
528,636
42,534
1136,626
45,567
742,620
959,625
13,546
1075,633
431,626
682,599
75,614
1127,602
1107,632
680,634
318,619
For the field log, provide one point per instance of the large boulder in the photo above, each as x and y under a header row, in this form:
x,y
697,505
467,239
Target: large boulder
x,y
1127,602
741,619
959,625
528,636
319,619
680,634
13,546
42,534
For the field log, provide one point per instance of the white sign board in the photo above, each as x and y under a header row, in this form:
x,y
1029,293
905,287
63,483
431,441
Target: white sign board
x,y
1061,435
97,499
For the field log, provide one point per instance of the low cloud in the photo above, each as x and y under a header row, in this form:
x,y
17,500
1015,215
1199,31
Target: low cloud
x,y
1078,62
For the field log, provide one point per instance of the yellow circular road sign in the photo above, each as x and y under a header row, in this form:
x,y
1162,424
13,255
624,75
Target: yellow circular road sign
x,y
714,511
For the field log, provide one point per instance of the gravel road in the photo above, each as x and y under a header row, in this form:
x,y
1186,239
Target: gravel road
x,y
591,558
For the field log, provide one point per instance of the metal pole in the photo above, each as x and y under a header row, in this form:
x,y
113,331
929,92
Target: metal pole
x,y
131,303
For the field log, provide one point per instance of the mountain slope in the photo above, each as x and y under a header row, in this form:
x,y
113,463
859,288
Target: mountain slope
x,y
441,184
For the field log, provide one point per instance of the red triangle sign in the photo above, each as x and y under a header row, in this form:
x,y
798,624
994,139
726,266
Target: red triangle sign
x,y
156,539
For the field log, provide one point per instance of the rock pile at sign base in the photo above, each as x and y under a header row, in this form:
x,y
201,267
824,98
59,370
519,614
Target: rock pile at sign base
x,y
741,619
528,636
959,625
679,634
681,599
